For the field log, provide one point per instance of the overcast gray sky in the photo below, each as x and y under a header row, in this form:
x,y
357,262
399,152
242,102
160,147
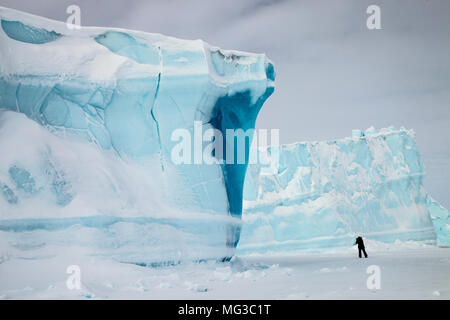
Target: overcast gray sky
x,y
333,74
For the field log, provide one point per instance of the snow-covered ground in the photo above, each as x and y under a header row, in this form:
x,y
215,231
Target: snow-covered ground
x,y
407,271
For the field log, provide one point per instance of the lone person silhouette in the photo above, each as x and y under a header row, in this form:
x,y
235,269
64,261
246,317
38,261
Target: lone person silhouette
x,y
359,241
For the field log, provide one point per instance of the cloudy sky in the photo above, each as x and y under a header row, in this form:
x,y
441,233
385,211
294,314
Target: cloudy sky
x,y
333,73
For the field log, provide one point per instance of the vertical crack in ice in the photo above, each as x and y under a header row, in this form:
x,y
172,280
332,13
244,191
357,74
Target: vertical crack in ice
x,y
17,97
161,157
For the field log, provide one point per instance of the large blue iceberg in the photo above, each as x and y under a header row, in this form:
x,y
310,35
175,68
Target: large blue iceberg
x,y
87,119
90,119
323,194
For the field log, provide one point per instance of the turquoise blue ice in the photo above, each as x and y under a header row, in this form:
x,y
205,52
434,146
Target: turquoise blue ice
x,y
86,124
101,106
323,194
441,221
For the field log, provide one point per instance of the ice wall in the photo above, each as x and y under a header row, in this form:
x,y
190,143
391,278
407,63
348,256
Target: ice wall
x,y
441,221
322,194
94,150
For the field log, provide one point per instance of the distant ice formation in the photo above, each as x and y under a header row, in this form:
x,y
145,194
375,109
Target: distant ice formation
x,y
325,193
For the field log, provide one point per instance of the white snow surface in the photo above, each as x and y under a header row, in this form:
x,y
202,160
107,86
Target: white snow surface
x,y
409,270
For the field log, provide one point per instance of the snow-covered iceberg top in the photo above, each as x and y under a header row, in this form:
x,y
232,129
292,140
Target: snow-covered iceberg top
x,y
324,193
86,124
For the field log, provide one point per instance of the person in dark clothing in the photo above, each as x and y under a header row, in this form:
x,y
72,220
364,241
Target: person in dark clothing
x,y
359,241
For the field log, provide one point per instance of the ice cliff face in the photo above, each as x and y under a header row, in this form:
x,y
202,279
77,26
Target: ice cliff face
x,y
441,221
325,193
86,125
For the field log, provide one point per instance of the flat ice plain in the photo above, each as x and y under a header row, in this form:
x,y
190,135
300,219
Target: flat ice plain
x,y
407,271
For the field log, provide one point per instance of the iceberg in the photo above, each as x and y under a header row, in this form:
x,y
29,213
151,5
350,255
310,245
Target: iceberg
x,y
87,123
86,134
323,194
